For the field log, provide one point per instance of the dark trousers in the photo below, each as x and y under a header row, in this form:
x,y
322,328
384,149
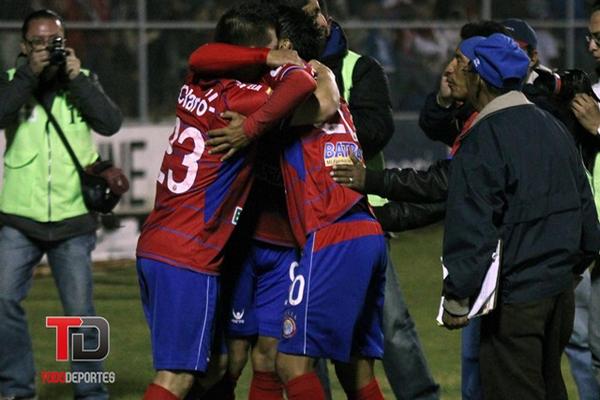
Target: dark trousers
x,y
521,347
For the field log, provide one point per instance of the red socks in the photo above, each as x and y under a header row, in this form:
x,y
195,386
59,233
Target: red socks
x,y
304,387
156,392
369,392
265,386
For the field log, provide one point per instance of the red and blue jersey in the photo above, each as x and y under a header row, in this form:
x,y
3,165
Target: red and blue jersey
x,y
314,199
198,197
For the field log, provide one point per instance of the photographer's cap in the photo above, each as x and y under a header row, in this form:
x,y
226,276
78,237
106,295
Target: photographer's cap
x,y
500,62
522,32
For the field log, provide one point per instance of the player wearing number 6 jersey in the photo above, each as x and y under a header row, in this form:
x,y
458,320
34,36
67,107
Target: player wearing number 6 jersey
x,y
334,304
198,200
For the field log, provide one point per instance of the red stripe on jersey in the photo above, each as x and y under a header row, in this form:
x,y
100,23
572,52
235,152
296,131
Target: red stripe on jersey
x,y
346,230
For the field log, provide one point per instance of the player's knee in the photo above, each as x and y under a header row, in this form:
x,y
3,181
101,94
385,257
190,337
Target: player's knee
x,y
264,353
290,366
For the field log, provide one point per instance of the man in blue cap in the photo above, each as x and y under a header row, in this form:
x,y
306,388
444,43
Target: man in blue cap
x,y
517,180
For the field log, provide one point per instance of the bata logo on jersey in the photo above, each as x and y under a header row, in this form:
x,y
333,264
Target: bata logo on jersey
x,y
289,326
339,153
238,317
194,104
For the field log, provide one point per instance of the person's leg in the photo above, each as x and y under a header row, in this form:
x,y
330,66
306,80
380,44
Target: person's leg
x,y
403,359
272,283
265,384
594,320
559,327
358,379
71,264
470,371
515,359
298,376
18,256
578,348
181,341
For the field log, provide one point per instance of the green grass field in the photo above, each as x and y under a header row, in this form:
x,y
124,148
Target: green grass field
x,y
416,256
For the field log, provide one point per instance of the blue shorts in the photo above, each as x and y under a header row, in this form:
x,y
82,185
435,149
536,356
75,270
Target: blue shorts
x,y
335,302
260,291
180,306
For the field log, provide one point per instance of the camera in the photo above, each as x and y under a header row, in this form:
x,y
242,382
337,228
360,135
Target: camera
x,y
564,84
58,53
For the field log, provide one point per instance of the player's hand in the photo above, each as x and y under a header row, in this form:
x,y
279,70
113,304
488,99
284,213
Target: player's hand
x,y
278,57
72,64
451,322
587,112
39,58
320,68
228,140
352,176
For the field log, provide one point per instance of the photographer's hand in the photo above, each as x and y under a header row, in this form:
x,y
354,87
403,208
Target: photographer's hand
x,y
72,64
587,112
38,60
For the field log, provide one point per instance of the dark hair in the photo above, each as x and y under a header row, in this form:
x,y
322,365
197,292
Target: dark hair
x,y
482,28
40,14
246,24
301,30
324,9
595,7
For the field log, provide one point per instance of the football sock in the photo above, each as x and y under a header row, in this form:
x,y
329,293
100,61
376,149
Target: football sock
x,y
304,387
265,386
369,392
156,392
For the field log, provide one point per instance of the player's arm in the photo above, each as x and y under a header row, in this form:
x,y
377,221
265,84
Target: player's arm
x,y
324,102
222,60
291,88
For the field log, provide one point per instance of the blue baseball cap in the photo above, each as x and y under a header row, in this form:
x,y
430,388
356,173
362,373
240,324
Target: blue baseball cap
x,y
467,46
500,61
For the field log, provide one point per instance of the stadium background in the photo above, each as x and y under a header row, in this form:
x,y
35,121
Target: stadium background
x,y
139,49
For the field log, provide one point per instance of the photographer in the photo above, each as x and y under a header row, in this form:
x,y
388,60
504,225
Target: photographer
x,y
41,205
587,113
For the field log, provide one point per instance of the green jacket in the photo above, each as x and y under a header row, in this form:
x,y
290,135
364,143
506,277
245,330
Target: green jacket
x,y
40,179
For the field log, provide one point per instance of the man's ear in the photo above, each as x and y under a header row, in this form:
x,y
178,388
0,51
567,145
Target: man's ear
x,y
285,44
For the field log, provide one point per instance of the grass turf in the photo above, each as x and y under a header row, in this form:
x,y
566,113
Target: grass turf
x,y
416,258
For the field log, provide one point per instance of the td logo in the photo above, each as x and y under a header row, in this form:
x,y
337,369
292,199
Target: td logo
x,y
78,352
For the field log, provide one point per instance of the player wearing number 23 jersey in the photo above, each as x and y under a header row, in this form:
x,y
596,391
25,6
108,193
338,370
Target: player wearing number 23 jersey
x,y
198,201
198,197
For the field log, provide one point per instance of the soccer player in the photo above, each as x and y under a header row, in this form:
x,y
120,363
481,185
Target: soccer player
x,y
262,285
333,309
199,198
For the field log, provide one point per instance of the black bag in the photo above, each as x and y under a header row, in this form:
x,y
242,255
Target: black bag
x,y
102,184
96,193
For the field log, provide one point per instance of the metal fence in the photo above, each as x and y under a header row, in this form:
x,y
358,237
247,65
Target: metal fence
x,y
139,48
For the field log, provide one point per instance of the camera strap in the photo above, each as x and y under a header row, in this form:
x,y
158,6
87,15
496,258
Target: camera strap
x,y
61,135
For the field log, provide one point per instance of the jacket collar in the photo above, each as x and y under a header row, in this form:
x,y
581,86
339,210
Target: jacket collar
x,y
337,44
510,99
